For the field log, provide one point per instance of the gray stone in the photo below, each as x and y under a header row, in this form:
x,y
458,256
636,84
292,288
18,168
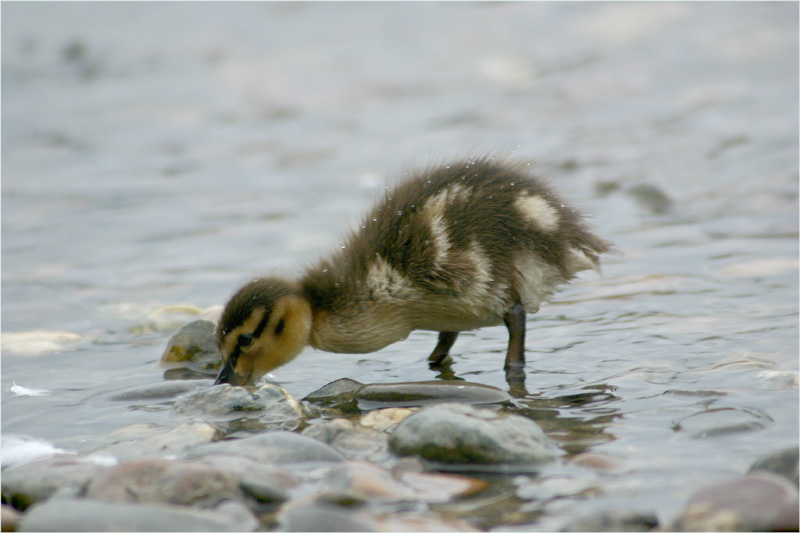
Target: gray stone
x,y
28,483
352,441
273,448
473,438
63,514
194,345
143,440
615,521
756,502
245,408
320,516
164,390
339,394
423,393
164,481
783,463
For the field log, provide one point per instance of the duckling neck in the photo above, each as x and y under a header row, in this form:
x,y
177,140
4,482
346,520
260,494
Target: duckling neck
x,y
351,314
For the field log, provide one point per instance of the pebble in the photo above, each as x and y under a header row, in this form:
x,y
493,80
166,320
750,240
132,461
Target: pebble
x,y
195,345
164,390
63,514
760,501
366,481
383,419
252,409
9,518
149,440
165,481
319,516
26,484
615,521
473,438
33,343
337,393
282,448
351,440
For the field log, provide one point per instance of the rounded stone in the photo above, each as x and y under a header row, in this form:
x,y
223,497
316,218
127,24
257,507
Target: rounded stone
x,y
352,441
194,343
268,406
273,448
165,481
472,438
29,483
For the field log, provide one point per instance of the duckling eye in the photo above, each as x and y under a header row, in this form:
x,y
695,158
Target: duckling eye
x,y
245,340
279,327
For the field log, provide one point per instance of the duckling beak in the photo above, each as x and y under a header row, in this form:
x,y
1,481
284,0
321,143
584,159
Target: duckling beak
x,y
228,375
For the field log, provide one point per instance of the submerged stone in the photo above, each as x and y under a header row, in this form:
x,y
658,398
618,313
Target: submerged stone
x,y
63,514
350,440
273,448
163,390
320,516
422,393
366,481
472,438
144,440
339,393
783,463
267,407
756,502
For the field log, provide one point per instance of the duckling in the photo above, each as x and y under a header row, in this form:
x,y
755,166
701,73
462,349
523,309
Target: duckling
x,y
455,248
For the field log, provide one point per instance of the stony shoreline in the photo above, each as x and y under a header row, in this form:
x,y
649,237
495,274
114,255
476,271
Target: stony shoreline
x,y
427,456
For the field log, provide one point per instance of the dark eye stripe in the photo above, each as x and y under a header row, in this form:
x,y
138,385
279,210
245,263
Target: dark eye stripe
x,y
261,325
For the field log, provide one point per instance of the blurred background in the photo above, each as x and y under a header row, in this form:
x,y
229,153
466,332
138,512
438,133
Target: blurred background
x,y
161,154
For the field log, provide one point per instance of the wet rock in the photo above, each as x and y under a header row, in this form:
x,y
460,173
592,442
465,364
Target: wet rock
x,y
348,395
252,409
420,522
783,463
195,344
350,440
33,343
164,481
278,479
147,440
339,394
62,514
422,393
29,483
756,502
383,419
597,461
163,390
472,438
319,516
9,518
615,521
366,481
273,448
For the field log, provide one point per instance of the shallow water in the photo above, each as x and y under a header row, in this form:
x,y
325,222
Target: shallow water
x,y
235,140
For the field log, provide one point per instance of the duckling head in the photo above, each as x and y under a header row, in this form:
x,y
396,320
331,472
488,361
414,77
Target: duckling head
x,y
264,325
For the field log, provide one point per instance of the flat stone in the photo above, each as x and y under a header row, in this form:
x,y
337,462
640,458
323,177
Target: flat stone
x,y
339,393
615,521
163,390
29,483
423,393
472,438
248,408
273,448
63,514
761,501
165,481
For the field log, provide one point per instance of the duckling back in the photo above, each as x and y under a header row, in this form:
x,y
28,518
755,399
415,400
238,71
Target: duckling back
x,y
449,249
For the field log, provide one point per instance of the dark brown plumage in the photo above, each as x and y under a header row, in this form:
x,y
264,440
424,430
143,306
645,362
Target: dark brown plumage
x,y
458,247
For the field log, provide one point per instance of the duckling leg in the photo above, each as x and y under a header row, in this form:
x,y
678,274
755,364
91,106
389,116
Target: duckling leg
x,y
446,340
515,356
